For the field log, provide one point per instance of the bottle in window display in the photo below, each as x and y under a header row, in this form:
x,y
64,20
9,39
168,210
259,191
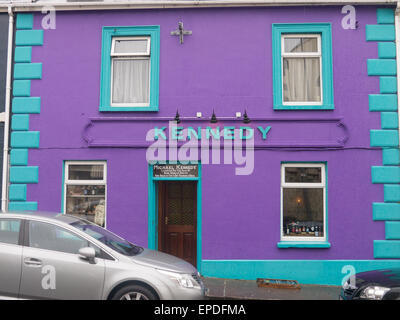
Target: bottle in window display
x,y
316,231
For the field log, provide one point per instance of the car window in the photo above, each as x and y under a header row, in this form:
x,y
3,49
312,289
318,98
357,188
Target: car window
x,y
9,231
50,237
109,239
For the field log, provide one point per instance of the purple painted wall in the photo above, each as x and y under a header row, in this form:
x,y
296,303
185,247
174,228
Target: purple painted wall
x,y
225,65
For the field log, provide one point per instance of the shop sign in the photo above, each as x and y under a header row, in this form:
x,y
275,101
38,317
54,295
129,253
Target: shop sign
x,y
175,171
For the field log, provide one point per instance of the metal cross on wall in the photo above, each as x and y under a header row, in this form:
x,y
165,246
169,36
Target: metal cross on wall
x,y
180,32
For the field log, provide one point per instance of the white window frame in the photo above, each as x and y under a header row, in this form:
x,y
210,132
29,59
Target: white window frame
x,y
302,55
303,185
129,56
103,181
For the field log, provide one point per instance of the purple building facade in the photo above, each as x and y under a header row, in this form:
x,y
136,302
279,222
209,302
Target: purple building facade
x,y
294,168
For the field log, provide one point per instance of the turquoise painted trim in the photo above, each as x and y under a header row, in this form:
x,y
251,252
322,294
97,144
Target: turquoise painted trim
x,y
23,54
22,105
391,192
304,244
386,211
386,50
28,71
385,15
24,174
21,88
380,32
24,21
389,120
383,102
25,139
392,229
323,272
153,214
105,82
17,192
19,157
384,138
386,249
22,206
20,122
386,174
381,67
29,37
324,29
26,105
388,84
386,103
391,157
62,187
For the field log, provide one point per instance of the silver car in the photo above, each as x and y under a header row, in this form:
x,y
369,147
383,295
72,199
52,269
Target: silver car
x,y
58,256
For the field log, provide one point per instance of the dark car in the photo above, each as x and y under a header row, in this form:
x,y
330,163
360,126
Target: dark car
x,y
373,285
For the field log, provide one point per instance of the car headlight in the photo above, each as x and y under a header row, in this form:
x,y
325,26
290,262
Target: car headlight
x,y
374,293
185,280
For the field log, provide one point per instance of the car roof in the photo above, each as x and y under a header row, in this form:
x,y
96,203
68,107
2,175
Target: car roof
x,y
46,215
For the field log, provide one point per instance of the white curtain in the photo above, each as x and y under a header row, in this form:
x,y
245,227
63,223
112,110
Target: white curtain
x,y
131,80
301,80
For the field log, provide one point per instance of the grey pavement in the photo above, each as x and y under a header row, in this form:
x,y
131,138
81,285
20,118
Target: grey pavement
x,y
248,290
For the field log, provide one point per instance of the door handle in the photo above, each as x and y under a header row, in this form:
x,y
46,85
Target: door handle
x,y
32,262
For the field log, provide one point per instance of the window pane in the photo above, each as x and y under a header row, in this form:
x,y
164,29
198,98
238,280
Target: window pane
x,y
86,172
9,231
301,175
131,81
50,237
131,46
87,202
303,212
301,80
301,44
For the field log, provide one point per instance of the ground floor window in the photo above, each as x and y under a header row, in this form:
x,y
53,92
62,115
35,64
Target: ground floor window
x,y
303,205
85,190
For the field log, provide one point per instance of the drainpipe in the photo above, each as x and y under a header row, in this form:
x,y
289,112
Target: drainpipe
x,y
4,191
397,27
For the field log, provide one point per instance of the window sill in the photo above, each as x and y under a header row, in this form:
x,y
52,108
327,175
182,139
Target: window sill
x,y
303,244
127,109
304,107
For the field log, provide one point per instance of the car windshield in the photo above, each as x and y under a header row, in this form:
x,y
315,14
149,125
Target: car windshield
x,y
109,239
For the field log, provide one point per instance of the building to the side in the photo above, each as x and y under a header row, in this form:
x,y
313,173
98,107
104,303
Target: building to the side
x,y
5,60
253,141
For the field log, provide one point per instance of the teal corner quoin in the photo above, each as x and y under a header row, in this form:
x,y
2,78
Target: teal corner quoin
x,y
386,137
105,77
23,105
323,29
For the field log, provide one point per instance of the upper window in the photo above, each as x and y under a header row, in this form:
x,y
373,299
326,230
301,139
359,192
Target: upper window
x,y
85,190
303,202
9,231
302,57
130,69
